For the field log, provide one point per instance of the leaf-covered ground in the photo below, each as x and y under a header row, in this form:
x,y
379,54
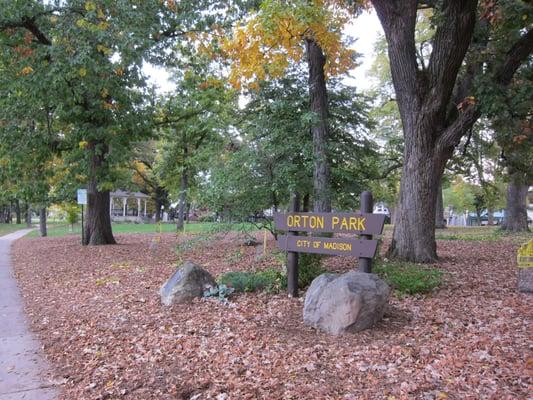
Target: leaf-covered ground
x,y
98,314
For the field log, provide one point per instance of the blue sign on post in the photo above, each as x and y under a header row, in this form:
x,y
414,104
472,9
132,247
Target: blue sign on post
x,y
82,196
82,199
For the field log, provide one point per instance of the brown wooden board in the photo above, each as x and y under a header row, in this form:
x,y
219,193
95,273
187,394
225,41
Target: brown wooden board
x,y
357,223
332,246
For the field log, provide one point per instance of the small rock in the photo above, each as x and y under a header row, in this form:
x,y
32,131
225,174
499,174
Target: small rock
x,y
250,242
187,283
349,302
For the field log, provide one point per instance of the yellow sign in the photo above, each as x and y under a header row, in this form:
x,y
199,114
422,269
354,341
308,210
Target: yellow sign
x,y
331,246
318,221
525,255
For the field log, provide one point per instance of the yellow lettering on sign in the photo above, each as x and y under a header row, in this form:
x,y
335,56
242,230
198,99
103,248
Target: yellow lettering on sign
x,y
338,246
297,221
290,220
334,221
344,223
361,223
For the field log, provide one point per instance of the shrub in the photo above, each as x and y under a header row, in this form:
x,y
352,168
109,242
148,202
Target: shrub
x,y
72,213
221,292
273,280
309,267
270,280
407,278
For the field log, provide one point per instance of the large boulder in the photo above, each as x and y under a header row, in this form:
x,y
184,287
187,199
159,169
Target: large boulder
x,y
189,281
348,302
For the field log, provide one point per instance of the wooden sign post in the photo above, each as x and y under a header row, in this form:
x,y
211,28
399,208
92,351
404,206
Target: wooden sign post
x,y
367,206
292,256
363,223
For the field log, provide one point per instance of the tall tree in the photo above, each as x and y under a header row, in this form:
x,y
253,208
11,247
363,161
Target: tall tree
x,y
436,104
260,168
89,54
271,38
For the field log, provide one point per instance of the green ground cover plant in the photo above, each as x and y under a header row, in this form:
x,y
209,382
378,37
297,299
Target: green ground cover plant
x,y
408,278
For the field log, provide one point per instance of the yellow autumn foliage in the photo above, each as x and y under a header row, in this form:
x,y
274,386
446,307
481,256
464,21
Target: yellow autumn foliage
x,y
26,70
264,45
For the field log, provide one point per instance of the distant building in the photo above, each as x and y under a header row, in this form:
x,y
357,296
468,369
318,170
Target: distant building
x,y
128,206
381,208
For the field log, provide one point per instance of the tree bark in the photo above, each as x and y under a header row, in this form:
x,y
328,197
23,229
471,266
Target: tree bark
x,y
423,97
319,105
42,222
3,215
439,212
490,217
187,216
516,211
28,215
98,229
414,225
158,204
18,212
434,116
305,203
182,199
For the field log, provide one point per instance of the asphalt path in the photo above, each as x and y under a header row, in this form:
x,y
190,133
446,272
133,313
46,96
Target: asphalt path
x,y
22,366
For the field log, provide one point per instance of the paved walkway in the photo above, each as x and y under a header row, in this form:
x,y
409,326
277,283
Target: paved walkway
x,y
20,361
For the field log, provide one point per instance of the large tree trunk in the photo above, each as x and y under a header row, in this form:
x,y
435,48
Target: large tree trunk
x,y
516,211
439,212
424,97
18,212
414,225
42,222
435,106
98,229
319,105
182,199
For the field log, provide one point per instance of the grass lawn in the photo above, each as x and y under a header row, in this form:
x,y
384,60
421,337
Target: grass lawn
x,y
8,228
483,233
55,230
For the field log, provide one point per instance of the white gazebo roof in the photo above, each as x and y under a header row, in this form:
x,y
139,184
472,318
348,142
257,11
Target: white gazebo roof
x,y
123,194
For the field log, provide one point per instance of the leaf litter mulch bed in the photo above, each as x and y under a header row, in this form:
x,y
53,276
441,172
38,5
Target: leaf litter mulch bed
x,y
98,314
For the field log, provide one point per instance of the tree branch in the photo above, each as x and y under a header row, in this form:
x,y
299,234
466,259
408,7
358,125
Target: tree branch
x,y
453,134
391,168
179,119
521,50
398,19
451,42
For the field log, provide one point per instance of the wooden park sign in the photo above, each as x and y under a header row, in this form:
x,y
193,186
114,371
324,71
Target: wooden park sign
x,y
331,246
363,223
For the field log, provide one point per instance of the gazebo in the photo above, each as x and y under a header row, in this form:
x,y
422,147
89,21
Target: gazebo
x,y
123,212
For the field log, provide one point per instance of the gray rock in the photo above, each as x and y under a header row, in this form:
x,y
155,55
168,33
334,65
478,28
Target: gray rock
x,y
189,281
525,280
348,302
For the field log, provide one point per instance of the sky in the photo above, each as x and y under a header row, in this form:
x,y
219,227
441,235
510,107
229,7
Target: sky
x,y
365,29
